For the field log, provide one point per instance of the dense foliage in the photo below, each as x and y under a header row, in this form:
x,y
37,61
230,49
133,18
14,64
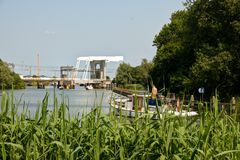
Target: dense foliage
x,y
127,75
52,134
200,47
9,78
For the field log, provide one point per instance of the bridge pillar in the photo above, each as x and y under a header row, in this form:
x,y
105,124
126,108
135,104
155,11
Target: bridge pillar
x,y
98,69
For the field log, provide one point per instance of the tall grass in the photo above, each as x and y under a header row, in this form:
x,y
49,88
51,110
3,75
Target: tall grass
x,y
55,135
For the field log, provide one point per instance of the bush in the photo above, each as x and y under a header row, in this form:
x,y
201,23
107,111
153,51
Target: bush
x,y
9,78
134,86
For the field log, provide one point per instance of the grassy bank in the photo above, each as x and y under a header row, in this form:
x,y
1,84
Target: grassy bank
x,y
55,135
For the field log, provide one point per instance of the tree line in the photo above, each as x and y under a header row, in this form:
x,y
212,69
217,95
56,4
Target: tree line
x,y
8,78
200,47
133,77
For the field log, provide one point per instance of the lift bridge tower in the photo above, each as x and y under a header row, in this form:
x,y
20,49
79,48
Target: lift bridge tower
x,y
93,69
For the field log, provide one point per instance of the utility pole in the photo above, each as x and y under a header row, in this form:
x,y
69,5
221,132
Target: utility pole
x,y
38,67
30,70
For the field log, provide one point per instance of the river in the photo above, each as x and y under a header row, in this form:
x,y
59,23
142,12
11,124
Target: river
x,y
79,100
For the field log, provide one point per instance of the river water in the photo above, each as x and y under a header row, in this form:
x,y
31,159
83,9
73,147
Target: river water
x,y
79,100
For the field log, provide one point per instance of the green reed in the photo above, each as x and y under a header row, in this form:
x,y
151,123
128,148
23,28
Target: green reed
x,y
53,134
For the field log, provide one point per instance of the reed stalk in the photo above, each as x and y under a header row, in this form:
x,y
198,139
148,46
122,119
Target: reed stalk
x,y
55,135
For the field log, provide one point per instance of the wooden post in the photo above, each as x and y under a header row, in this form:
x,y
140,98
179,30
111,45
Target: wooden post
x,y
192,102
178,105
213,102
233,101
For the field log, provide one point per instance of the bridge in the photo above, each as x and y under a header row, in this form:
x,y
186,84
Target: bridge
x,y
94,67
88,70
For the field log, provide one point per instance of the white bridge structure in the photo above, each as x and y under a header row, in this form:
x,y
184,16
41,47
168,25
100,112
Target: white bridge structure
x,y
88,70
93,69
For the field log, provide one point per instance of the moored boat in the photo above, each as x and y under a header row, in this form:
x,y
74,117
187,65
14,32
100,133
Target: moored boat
x,y
61,87
89,87
125,106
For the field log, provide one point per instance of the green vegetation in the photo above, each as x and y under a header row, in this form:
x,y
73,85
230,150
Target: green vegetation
x,y
52,134
9,78
134,87
128,75
198,48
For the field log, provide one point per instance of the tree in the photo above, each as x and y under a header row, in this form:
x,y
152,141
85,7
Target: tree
x,y
216,39
126,74
172,59
9,78
200,48
6,78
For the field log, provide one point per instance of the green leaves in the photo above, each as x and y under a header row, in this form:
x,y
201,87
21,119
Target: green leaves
x,y
9,78
200,48
127,76
98,136
216,66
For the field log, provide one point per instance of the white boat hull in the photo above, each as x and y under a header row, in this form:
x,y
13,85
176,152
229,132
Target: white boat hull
x,y
89,87
124,107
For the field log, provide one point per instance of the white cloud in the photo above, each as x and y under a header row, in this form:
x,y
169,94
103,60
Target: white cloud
x,y
47,32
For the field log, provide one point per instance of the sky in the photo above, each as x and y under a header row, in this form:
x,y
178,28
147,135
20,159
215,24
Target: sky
x,y
62,30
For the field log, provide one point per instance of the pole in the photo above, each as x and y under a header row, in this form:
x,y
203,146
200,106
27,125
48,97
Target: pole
x,y
38,67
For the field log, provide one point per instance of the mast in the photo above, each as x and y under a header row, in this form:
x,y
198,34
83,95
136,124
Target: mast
x,y
38,67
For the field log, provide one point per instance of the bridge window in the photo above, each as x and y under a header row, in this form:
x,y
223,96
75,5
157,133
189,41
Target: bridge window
x,y
98,66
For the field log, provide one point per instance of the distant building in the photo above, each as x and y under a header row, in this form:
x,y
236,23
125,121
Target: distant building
x,y
67,71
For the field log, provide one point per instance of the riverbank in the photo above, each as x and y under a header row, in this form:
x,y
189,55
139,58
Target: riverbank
x,y
127,92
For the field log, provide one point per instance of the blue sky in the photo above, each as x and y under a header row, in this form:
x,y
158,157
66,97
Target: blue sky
x,y
60,30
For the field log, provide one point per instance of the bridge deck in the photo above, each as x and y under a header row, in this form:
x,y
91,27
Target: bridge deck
x,y
75,80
